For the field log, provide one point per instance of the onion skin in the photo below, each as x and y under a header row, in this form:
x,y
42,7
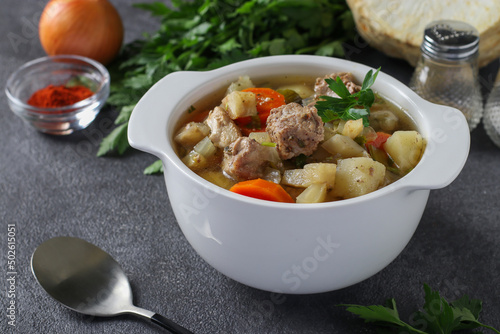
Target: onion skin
x,y
90,28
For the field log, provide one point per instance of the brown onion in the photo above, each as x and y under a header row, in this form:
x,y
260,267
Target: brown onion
x,y
90,28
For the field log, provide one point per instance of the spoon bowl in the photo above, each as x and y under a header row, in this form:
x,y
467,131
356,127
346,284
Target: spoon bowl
x,y
86,279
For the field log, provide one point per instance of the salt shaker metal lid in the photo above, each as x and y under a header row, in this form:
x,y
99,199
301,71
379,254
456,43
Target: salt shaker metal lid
x,y
450,40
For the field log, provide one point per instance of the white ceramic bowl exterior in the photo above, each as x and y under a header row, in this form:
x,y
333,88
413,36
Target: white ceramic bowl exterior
x,y
293,248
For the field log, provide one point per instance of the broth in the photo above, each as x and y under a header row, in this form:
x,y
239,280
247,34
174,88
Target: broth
x,y
281,171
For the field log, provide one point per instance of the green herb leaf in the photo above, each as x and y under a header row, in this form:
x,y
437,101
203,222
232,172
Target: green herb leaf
x,y
300,160
124,114
388,315
369,79
155,168
116,141
347,106
339,88
439,316
201,35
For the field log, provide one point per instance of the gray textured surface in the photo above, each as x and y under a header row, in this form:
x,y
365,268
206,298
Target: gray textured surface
x,y
52,186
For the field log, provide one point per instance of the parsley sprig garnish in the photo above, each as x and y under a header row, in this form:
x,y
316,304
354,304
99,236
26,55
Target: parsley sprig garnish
x,y
201,35
347,106
436,317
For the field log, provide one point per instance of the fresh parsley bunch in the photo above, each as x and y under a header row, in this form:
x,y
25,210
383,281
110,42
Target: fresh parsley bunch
x,y
436,317
347,106
206,34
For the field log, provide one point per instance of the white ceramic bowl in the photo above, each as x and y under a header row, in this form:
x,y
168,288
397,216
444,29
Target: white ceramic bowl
x,y
292,248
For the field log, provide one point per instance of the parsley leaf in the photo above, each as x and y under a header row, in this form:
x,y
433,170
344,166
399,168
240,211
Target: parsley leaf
x,y
347,106
155,168
206,34
436,317
116,140
387,315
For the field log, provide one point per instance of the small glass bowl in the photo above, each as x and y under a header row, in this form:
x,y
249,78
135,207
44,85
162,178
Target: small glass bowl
x,y
58,70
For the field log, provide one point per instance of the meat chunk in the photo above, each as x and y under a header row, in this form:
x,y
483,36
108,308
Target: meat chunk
x,y
321,87
295,129
245,159
223,131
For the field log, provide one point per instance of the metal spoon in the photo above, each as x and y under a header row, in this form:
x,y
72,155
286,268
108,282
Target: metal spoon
x,y
88,280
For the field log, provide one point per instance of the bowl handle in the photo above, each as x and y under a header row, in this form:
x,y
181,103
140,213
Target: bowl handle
x,y
447,149
147,129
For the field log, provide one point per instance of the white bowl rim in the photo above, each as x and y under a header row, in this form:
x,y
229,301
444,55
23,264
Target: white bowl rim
x,y
410,181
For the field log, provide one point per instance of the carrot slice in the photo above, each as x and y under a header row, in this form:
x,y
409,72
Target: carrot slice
x,y
379,141
267,99
262,189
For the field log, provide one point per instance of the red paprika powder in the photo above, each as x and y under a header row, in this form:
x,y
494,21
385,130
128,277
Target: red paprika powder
x,y
58,96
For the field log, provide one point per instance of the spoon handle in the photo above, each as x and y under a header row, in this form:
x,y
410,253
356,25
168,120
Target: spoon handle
x,y
169,324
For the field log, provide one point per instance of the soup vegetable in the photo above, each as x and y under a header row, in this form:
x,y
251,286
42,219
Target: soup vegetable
x,y
300,140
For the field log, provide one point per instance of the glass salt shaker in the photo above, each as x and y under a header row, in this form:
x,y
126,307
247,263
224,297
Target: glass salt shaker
x,y
447,71
491,118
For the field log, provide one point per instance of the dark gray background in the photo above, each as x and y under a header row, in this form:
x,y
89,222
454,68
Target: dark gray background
x,y
52,186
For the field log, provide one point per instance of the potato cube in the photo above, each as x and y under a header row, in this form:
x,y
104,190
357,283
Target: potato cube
x,y
191,133
315,193
321,173
358,176
405,148
310,174
240,104
272,174
344,146
243,82
352,128
295,178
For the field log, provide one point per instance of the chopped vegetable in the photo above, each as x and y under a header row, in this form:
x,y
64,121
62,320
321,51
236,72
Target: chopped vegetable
x,y
240,84
295,178
272,174
315,193
205,147
300,160
262,189
303,90
353,128
344,146
319,172
191,133
347,106
380,155
267,99
195,160
379,140
405,148
358,176
290,95
201,35
384,119
240,104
